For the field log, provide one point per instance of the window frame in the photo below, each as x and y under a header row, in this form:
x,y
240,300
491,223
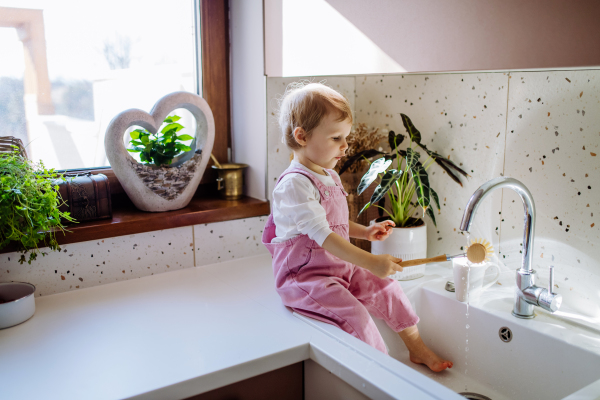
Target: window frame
x,y
212,25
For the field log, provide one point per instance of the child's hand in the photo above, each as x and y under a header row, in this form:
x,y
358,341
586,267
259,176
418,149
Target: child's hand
x,y
384,265
380,230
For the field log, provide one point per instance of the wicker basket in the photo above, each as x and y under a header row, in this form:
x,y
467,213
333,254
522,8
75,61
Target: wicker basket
x,y
6,143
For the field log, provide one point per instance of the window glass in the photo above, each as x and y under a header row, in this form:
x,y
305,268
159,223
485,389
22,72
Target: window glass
x,y
69,66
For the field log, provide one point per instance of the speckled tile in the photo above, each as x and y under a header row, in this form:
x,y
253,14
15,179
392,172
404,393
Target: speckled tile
x,y
553,147
462,116
277,152
227,240
86,264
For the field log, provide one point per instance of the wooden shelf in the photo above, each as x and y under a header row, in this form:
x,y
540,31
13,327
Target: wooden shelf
x,y
128,220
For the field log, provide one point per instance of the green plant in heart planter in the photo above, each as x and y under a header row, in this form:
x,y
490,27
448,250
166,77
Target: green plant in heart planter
x,y
160,148
408,189
170,171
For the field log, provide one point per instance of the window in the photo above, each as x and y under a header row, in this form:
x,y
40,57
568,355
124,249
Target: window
x,y
69,67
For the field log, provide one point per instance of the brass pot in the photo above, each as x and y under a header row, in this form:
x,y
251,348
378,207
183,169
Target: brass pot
x,y
230,182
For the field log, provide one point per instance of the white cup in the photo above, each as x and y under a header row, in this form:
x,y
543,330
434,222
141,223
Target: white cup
x,y
472,278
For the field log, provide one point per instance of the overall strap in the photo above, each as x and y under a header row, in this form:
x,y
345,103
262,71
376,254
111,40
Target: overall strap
x,y
320,186
337,180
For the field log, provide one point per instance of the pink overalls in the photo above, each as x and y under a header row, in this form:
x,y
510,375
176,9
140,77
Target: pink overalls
x,y
315,283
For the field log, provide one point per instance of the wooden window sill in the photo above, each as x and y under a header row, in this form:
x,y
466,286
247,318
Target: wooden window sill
x,y
128,220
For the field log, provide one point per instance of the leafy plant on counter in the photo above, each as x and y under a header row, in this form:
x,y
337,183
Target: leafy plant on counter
x,y
29,205
409,177
160,148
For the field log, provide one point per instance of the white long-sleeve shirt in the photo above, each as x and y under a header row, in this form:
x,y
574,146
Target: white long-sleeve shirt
x,y
297,207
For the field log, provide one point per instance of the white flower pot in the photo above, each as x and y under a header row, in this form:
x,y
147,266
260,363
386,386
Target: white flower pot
x,y
407,244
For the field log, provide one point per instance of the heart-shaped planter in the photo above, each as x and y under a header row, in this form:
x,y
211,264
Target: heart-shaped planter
x,y
159,189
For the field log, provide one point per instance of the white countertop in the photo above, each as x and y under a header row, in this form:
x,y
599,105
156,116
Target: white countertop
x,y
182,333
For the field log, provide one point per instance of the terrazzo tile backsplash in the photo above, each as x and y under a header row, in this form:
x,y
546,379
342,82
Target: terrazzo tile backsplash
x,y
553,142
86,264
539,127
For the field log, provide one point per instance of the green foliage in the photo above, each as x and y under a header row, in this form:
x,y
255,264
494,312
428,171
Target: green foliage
x,y
409,177
29,205
160,148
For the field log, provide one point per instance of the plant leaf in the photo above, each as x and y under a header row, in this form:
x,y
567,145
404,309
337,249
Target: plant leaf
x,y
413,132
435,198
376,167
420,177
364,208
446,164
431,215
399,139
134,134
184,137
451,164
390,177
174,126
145,140
441,162
172,118
412,158
182,147
133,150
366,153
421,180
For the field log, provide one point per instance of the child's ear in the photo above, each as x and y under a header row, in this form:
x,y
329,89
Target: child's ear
x,y
300,136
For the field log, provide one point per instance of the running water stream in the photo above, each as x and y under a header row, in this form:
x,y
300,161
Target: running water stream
x,y
468,237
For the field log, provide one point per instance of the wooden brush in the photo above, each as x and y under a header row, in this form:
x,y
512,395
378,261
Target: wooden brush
x,y
479,251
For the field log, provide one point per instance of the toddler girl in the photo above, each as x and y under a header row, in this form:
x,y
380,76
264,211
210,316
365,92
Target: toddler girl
x,y
318,272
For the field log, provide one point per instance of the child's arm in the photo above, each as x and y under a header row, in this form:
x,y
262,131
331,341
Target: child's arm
x,y
357,231
380,265
377,231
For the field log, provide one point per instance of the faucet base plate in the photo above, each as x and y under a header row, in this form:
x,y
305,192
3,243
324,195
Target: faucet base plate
x,y
523,316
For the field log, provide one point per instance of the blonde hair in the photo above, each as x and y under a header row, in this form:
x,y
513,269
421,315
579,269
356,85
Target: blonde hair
x,y
304,105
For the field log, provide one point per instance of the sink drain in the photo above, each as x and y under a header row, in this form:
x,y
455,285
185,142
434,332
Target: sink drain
x,y
505,334
474,396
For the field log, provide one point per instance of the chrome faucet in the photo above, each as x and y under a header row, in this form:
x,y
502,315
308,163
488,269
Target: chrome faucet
x,y
527,294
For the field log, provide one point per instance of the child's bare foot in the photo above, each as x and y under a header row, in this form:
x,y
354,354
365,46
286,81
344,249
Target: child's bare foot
x,y
435,363
420,353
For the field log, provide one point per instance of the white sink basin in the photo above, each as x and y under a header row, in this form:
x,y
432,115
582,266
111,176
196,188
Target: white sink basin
x,y
547,357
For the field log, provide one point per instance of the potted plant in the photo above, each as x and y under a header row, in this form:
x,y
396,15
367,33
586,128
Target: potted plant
x,y
159,149
29,205
408,189
169,171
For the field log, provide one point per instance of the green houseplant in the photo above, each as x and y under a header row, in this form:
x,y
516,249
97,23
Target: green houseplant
x,y
408,189
407,179
29,205
160,148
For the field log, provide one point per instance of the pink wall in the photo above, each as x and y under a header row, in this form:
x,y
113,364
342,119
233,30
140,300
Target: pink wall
x,y
451,35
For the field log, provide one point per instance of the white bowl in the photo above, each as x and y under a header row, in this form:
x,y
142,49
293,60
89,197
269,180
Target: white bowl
x,y
17,303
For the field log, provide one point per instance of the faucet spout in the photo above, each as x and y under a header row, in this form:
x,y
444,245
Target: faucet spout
x,y
529,209
528,294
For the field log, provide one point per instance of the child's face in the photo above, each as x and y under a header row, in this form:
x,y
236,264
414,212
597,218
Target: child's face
x,y
327,144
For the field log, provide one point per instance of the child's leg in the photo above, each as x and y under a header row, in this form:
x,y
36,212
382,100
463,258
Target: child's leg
x,y
327,299
420,353
385,299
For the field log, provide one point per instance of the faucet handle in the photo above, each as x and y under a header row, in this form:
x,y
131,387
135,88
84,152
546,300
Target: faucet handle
x,y
549,300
